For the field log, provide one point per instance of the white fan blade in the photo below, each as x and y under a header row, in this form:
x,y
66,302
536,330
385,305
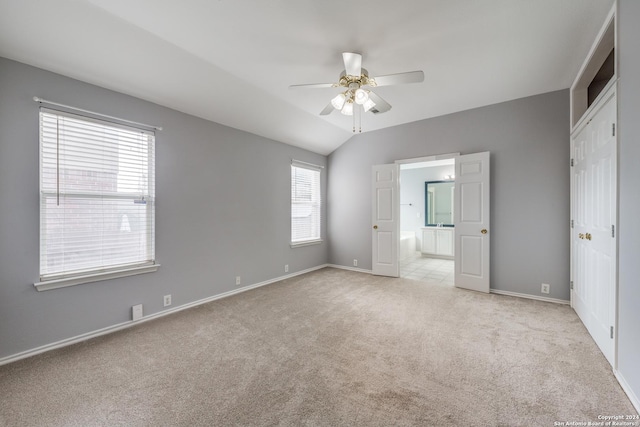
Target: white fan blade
x,y
400,78
327,110
381,106
313,86
352,63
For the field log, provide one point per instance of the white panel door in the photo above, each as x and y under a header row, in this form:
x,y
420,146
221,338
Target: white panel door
x,y
593,209
385,221
471,222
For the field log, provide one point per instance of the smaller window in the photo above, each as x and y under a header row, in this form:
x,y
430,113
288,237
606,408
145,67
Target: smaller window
x,y
305,204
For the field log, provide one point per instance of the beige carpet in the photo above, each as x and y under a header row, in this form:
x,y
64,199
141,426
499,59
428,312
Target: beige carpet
x,y
334,348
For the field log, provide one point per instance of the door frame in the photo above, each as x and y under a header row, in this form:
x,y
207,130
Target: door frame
x,y
427,158
424,159
401,162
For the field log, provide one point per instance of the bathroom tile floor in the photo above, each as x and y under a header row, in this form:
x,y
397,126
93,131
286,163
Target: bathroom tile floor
x,y
419,267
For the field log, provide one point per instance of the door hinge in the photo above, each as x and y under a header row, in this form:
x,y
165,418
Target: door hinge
x,y
571,285
571,162
571,223
613,230
612,332
613,129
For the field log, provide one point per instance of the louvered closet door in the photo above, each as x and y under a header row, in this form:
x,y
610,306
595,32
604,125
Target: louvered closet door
x,y
593,182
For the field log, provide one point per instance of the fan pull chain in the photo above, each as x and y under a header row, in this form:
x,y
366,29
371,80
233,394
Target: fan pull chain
x,y
357,112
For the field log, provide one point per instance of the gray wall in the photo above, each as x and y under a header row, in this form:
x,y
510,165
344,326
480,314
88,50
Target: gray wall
x,y
529,144
223,203
629,179
412,191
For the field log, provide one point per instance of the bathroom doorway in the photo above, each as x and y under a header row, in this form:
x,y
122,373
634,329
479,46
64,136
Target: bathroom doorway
x,y
426,247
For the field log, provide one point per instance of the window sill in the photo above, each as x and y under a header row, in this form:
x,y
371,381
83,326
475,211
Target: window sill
x,y
94,277
305,243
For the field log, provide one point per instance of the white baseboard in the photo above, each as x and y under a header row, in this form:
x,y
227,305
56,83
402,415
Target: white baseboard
x,y
535,297
493,291
342,267
627,389
128,324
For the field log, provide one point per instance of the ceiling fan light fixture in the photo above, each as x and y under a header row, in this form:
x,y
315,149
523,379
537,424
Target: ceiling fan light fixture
x,y
347,110
338,101
368,104
355,83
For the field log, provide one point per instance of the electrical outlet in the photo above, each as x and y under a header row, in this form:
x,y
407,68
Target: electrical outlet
x,y
238,281
167,300
136,312
545,288
286,268
355,262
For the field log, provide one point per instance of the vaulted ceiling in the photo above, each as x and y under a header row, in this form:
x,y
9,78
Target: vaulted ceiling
x,y
231,61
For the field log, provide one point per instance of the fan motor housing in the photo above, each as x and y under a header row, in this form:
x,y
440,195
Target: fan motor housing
x,y
361,80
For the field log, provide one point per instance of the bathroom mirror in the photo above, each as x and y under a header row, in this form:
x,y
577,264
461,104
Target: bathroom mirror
x,y
438,203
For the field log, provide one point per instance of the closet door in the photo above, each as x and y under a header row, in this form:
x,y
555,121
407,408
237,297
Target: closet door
x,y
593,241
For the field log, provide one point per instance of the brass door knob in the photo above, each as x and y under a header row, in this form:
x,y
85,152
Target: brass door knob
x,y
581,236
483,231
588,236
375,227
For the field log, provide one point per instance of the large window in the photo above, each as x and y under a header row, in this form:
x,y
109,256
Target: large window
x,y
305,204
96,198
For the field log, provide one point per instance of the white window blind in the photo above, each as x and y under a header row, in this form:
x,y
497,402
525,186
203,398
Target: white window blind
x,y
305,203
96,196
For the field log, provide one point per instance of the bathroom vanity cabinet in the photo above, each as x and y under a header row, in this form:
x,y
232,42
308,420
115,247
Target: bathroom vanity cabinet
x,y
438,241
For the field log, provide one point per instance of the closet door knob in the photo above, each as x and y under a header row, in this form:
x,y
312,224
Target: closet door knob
x,y
588,236
483,231
375,227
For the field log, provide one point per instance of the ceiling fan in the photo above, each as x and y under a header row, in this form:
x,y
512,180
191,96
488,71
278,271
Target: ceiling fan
x,y
356,81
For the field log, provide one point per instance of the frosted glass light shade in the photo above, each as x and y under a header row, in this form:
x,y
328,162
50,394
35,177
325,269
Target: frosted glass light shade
x,y
361,96
347,110
338,101
368,105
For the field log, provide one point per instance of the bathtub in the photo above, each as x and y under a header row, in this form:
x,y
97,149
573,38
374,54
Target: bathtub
x,y
407,244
